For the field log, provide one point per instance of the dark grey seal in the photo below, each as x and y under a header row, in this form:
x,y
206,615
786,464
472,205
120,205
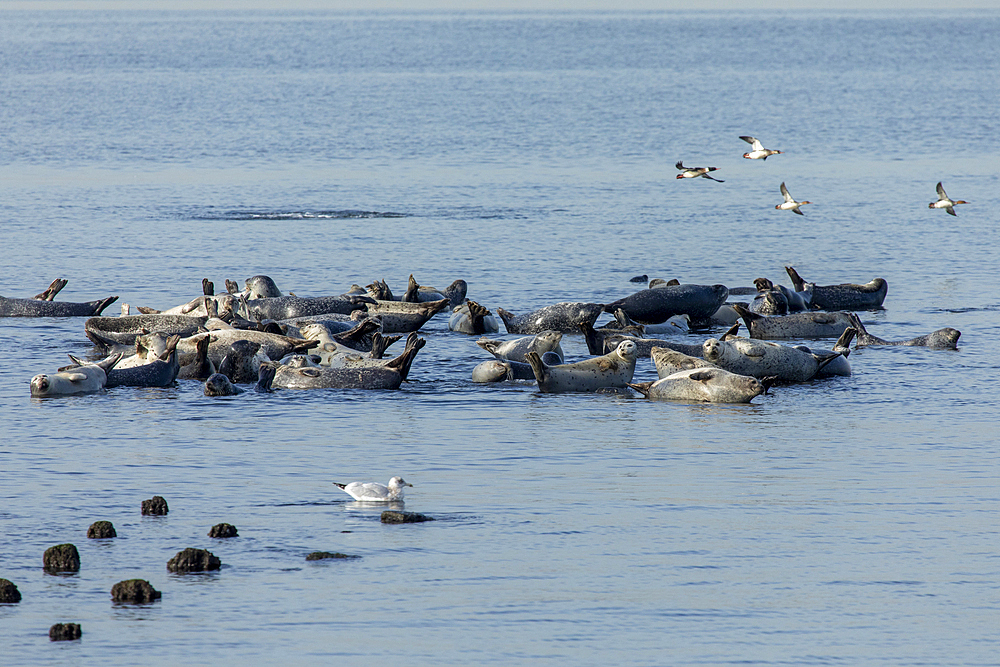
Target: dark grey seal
x,y
242,362
565,317
817,324
109,333
846,296
387,376
942,339
658,304
602,341
288,307
768,300
45,308
159,373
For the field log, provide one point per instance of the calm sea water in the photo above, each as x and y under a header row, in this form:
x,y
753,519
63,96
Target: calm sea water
x,y
848,521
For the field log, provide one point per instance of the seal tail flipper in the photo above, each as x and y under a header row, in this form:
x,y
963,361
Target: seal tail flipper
x,y
477,314
825,359
101,304
641,387
506,317
748,317
147,311
797,281
537,367
732,333
412,294
232,286
623,319
768,382
381,343
488,345
843,344
863,337
207,287
50,292
595,341
403,362
265,376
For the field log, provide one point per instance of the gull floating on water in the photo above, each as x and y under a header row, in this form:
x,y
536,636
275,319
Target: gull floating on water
x,y
758,152
692,172
375,492
945,202
790,204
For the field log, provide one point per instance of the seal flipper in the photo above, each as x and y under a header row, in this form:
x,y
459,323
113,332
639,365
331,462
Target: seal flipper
x,y
207,287
537,366
412,294
507,318
265,376
843,344
101,304
403,362
232,286
50,292
477,313
641,387
732,333
748,317
797,281
381,343
594,338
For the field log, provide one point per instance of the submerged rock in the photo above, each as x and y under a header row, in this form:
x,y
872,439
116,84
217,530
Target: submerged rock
x,y
63,632
323,555
61,558
155,506
101,530
8,592
134,591
221,530
396,516
194,560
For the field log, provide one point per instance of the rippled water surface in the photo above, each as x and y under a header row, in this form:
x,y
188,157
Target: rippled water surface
x,y
844,521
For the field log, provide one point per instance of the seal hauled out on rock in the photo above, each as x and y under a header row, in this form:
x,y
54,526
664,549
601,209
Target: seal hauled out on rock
x,y
498,370
845,296
565,317
713,385
613,370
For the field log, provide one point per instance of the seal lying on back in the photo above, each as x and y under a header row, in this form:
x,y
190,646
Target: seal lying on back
x,y
839,365
712,385
795,325
515,350
471,318
669,361
565,317
80,378
613,370
657,304
942,339
768,300
403,317
497,370
846,296
761,359
108,332
300,374
160,372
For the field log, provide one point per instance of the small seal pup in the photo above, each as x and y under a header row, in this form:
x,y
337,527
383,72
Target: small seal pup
x,y
472,318
942,339
80,378
814,324
760,359
656,305
373,492
711,385
515,350
611,370
565,317
846,296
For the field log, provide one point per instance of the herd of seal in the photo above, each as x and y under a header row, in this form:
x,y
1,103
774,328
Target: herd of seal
x,y
265,340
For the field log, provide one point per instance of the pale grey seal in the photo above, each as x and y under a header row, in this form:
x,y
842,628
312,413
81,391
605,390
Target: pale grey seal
x,y
80,378
839,366
611,370
713,385
497,370
566,317
160,372
657,304
515,350
472,318
846,296
601,341
402,317
109,333
814,324
760,359
942,339
669,361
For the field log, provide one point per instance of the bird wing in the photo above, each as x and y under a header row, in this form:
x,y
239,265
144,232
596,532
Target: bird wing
x,y
680,165
784,191
951,211
705,175
797,210
749,140
940,191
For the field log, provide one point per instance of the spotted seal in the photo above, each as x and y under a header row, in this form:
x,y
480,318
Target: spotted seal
x,y
306,376
611,370
565,317
218,384
839,366
942,339
472,318
768,300
273,345
760,359
200,366
517,349
288,307
402,317
13,307
158,372
712,385
814,324
111,333
657,304
846,296
601,341
241,364
80,378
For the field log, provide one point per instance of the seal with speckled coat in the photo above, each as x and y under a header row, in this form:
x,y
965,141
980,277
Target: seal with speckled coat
x,y
942,339
712,385
658,304
760,359
845,296
613,370
566,317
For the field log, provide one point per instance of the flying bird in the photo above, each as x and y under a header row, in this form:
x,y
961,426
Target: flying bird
x,y
758,152
945,202
692,172
790,204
